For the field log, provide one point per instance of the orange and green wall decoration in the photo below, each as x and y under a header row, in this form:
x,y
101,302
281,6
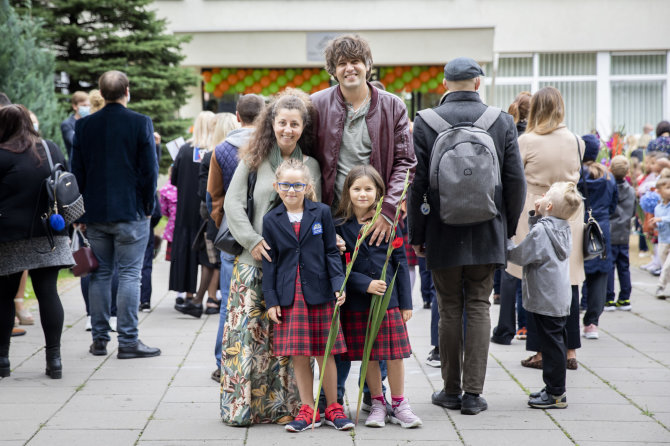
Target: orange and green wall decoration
x,y
268,81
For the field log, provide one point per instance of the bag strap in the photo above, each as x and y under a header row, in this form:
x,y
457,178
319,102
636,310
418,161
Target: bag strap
x,y
487,118
582,179
434,121
251,185
48,152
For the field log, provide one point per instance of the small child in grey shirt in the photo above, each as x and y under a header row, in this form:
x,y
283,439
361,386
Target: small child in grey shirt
x,y
546,292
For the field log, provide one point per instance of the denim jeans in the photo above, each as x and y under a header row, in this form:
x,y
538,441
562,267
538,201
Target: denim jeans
x,y
85,281
226,274
123,243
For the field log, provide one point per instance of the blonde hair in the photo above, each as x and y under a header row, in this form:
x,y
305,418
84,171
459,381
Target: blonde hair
x,y
619,167
565,199
547,111
665,173
224,123
662,182
96,100
202,130
295,164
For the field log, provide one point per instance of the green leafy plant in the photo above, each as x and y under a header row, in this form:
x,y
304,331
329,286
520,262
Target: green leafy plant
x,y
335,322
379,304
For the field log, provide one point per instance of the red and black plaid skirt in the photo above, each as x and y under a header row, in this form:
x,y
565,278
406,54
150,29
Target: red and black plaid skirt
x,y
391,343
304,328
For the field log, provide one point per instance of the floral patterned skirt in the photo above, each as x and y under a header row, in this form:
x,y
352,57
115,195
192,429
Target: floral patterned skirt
x,y
256,387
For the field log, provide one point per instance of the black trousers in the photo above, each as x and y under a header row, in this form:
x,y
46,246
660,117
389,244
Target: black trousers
x,y
572,326
506,328
51,310
552,336
596,291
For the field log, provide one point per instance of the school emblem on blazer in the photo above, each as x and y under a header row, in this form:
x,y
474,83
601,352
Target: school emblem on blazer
x,y
317,228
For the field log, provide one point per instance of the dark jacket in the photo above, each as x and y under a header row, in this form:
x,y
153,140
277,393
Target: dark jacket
x,y
114,160
368,267
388,127
625,210
67,130
484,243
603,199
316,253
23,196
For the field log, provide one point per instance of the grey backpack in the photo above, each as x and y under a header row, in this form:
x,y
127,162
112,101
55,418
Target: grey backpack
x,y
464,169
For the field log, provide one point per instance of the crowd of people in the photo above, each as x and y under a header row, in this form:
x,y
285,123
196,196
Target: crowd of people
x,y
495,212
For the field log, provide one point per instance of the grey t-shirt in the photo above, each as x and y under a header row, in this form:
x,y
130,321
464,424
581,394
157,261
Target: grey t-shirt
x,y
355,148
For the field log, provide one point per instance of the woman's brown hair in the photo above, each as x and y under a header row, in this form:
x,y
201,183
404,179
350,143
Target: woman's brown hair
x,y
264,138
596,170
520,107
17,133
345,210
547,111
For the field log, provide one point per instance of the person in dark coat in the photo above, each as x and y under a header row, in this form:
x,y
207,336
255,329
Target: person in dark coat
x,y
463,258
185,176
602,199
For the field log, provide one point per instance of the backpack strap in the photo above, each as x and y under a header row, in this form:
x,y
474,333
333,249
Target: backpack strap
x,y
434,121
48,152
487,118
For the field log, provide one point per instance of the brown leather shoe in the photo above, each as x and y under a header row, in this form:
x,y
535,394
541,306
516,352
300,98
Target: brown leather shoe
x,y
18,331
532,364
572,364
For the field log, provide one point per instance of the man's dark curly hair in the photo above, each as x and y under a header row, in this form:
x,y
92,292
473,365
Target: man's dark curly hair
x,y
348,47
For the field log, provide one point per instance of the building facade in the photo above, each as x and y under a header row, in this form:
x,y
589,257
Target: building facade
x,y
609,58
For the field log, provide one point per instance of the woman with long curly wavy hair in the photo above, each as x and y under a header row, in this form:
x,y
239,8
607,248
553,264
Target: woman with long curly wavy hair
x,y
257,387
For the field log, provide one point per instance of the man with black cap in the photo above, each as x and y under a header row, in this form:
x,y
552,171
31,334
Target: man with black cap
x,y
463,257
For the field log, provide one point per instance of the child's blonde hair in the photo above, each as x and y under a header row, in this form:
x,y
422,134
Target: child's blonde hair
x,y
345,210
619,167
295,164
665,173
663,182
565,199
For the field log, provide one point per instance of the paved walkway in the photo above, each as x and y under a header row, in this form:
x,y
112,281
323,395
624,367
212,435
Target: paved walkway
x,y
619,395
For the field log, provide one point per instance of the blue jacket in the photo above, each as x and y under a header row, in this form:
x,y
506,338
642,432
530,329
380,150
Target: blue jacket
x,y
316,252
663,211
603,199
114,160
368,267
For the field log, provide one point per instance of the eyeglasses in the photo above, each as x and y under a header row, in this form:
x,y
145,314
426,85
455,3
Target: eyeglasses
x,y
285,187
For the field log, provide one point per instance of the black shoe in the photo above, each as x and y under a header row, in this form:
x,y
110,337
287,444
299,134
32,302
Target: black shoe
x,y
179,301
443,399
138,350
216,375
54,366
502,341
4,366
190,309
542,400
433,359
213,306
472,404
98,348
145,307
426,305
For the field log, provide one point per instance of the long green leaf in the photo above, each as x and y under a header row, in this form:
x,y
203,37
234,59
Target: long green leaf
x,y
380,307
335,322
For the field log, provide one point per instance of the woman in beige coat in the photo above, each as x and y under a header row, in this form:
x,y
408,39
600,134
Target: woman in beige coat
x,y
549,153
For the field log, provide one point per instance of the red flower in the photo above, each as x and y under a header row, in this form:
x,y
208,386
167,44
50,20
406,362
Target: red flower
x,y
397,243
347,256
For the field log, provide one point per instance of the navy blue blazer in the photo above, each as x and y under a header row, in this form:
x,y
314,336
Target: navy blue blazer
x,y
316,252
368,267
114,160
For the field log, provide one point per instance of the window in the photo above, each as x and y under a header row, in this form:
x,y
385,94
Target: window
x,y
567,64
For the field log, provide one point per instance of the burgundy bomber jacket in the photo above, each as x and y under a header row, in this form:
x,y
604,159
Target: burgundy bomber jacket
x,y
388,127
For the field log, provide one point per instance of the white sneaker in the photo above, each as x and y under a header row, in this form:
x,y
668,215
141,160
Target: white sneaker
x,y
89,327
591,331
112,323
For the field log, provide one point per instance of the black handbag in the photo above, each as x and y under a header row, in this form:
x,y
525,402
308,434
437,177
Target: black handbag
x,y
594,241
224,240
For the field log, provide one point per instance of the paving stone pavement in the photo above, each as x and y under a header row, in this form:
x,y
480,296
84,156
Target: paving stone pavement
x,y
619,395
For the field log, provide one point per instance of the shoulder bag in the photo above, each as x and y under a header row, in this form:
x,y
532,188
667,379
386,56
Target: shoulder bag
x,y
224,240
594,240
85,260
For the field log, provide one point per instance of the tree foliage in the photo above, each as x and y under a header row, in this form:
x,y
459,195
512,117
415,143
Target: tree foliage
x,y
90,37
27,68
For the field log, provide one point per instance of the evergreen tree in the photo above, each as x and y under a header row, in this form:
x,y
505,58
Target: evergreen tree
x,y
27,69
90,37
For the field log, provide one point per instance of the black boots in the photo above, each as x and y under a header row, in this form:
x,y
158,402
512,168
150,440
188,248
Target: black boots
x,y
54,367
4,361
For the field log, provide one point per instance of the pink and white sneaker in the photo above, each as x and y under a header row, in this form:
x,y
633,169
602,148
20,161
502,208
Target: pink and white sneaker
x,y
591,331
377,417
404,416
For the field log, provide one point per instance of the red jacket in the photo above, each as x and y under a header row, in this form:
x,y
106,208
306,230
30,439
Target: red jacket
x,y
392,147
